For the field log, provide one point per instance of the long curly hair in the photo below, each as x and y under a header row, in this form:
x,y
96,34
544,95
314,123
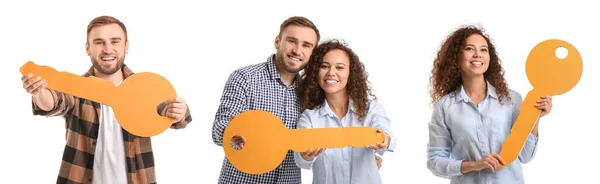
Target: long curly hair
x,y
445,75
358,89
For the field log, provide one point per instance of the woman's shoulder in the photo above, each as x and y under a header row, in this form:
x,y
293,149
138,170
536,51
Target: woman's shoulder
x,y
311,112
515,97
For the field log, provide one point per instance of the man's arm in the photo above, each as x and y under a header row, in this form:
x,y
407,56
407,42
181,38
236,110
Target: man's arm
x,y
233,102
52,103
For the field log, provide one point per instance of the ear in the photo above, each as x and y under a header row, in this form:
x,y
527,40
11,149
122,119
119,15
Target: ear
x,y
277,40
87,48
126,46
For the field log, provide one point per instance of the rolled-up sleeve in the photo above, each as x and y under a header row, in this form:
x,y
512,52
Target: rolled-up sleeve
x,y
63,103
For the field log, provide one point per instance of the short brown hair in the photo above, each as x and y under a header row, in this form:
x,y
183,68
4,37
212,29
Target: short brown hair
x,y
105,20
299,21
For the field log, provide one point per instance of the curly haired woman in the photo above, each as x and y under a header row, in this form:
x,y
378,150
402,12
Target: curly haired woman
x,y
474,111
334,93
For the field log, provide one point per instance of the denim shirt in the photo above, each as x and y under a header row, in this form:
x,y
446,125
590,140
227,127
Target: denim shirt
x,y
462,131
348,165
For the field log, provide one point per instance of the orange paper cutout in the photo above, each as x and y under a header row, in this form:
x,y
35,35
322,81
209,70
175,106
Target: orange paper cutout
x,y
548,75
134,101
268,140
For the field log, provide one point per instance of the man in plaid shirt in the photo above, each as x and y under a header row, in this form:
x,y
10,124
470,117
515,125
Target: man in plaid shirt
x,y
269,86
98,149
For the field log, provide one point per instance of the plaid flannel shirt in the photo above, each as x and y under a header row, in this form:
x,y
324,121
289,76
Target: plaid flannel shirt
x,y
258,86
82,126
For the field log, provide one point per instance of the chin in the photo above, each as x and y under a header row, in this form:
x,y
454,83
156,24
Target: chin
x,y
331,91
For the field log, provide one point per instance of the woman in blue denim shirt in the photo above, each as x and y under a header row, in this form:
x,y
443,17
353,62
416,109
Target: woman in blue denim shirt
x,y
474,112
334,93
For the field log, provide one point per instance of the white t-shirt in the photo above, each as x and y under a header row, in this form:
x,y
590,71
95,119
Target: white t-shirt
x,y
109,158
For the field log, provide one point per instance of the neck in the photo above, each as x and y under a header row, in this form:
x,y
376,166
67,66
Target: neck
x,y
475,87
338,103
115,78
287,78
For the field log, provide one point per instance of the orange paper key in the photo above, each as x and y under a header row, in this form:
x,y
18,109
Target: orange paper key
x,y
134,101
268,140
548,75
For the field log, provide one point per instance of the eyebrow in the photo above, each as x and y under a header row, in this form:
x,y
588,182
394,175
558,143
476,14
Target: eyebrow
x,y
309,44
113,38
338,63
474,45
296,39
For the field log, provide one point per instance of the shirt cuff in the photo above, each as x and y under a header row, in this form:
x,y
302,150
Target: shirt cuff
x,y
454,168
532,139
304,164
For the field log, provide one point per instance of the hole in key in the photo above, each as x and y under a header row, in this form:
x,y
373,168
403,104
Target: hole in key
x,y
237,142
561,52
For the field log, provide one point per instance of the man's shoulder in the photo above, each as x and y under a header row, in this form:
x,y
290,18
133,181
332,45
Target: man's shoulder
x,y
251,68
249,71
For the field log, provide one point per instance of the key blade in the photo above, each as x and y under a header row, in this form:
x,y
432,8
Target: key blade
x,y
524,124
92,88
304,139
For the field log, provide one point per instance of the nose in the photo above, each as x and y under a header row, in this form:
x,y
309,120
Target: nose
x,y
330,72
108,49
296,48
477,54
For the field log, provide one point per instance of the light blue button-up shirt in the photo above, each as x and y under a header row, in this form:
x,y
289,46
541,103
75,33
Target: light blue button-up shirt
x,y
347,165
462,131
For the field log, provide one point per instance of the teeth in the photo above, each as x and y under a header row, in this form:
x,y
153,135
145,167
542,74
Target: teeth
x,y
477,62
108,58
295,59
330,81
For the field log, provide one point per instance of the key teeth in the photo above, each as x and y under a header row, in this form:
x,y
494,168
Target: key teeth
x,y
32,68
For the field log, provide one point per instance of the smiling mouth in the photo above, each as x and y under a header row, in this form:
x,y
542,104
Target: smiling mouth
x,y
294,58
331,81
476,63
108,58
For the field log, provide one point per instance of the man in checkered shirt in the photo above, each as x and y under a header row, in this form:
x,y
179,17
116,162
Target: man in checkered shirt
x,y
269,86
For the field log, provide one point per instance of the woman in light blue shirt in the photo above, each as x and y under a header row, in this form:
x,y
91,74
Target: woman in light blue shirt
x,y
335,93
474,112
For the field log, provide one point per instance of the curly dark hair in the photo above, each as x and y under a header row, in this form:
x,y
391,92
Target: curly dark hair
x,y
445,75
312,95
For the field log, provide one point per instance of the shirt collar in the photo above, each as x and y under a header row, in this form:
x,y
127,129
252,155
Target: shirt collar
x,y
462,95
326,110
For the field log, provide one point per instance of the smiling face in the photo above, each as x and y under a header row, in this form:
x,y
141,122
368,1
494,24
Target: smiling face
x,y
107,46
334,72
474,57
294,48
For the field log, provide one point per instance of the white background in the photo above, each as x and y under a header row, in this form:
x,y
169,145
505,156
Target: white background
x,y
397,43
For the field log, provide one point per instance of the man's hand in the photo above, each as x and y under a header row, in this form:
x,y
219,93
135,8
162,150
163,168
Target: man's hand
x,y
176,109
33,85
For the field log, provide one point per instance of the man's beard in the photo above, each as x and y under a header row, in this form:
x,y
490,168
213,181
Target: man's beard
x,y
108,71
281,60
